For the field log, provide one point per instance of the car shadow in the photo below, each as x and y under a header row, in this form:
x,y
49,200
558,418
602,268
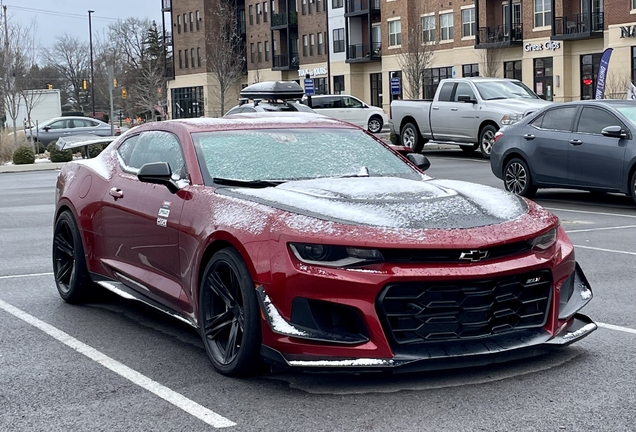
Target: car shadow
x,y
578,197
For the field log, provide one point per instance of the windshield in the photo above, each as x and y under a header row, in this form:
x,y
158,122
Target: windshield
x,y
629,112
493,90
294,154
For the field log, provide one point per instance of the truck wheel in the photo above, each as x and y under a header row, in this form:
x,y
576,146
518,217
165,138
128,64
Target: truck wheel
x,y
375,124
410,137
486,140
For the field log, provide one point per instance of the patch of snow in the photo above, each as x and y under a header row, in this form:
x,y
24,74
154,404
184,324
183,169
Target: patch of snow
x,y
278,323
233,213
102,165
362,362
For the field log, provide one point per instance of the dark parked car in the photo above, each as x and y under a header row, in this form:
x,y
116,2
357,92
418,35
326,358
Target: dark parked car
x,y
306,241
585,145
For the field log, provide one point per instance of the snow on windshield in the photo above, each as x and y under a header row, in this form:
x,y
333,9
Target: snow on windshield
x,y
492,90
284,154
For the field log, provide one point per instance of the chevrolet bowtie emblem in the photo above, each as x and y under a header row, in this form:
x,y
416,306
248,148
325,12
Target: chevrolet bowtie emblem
x,y
473,255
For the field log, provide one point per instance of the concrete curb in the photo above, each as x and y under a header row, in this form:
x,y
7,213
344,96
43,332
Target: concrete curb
x,y
44,166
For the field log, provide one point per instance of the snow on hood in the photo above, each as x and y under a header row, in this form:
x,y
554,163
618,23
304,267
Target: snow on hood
x,y
390,202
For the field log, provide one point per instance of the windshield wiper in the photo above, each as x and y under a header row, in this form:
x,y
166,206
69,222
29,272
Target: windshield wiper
x,y
247,183
497,98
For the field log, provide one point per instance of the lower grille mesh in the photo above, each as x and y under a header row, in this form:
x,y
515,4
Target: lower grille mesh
x,y
440,311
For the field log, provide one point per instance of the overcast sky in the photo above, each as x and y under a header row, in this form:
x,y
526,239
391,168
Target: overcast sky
x,y
56,17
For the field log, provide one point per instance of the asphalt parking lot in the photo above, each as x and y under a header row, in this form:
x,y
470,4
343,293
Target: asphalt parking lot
x,y
115,365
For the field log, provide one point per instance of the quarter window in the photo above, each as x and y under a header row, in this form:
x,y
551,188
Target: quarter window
x,y
395,33
446,26
593,120
558,119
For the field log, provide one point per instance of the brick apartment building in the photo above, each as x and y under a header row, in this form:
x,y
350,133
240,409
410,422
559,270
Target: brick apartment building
x,y
353,46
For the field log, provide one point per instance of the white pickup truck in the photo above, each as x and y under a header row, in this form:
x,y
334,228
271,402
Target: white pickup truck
x,y
465,111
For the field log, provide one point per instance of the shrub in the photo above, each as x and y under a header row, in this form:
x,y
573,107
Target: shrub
x,y
393,138
39,147
23,155
59,156
93,150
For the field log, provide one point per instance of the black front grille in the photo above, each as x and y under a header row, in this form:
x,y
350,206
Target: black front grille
x,y
453,255
453,310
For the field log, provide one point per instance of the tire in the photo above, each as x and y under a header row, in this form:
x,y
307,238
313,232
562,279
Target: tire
x,y
375,124
517,178
410,137
486,137
632,187
229,315
69,262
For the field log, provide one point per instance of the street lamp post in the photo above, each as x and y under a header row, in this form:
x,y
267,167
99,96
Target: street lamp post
x,y
90,38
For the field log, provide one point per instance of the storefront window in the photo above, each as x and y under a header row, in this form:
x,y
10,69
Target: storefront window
x,y
376,89
589,73
187,102
396,74
512,70
432,77
320,86
543,86
470,70
338,84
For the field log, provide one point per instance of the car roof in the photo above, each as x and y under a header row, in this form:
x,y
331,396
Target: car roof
x,y
73,118
604,102
258,120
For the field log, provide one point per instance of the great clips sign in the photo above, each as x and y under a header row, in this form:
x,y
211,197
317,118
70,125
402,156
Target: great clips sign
x,y
547,46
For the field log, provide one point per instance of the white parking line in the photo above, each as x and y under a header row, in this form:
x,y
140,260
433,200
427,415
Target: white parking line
x,y
617,328
591,212
25,275
176,399
600,229
604,250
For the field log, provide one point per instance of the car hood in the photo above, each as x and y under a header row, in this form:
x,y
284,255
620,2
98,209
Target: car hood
x,y
518,105
390,202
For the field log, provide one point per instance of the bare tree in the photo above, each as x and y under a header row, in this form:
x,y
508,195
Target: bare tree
x,y
15,68
129,36
71,58
226,57
415,58
491,60
616,85
30,91
150,91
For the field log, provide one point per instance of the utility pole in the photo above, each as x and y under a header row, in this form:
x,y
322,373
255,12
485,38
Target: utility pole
x,y
111,85
90,38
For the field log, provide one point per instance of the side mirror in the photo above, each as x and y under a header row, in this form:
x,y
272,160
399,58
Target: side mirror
x,y
466,99
614,132
47,128
158,173
419,160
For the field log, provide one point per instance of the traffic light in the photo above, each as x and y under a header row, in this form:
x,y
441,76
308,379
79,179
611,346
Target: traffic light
x,y
49,86
124,93
114,82
84,84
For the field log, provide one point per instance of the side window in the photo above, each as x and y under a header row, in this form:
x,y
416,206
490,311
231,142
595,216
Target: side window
x,y
248,110
559,119
350,102
445,92
235,110
60,124
318,102
463,89
594,120
158,146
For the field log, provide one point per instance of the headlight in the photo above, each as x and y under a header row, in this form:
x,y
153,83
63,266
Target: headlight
x,y
334,256
544,241
509,119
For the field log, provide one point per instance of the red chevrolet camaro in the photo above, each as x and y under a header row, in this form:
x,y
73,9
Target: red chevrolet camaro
x,y
306,242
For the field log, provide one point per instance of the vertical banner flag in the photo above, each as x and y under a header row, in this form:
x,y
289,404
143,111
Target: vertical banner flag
x,y
602,74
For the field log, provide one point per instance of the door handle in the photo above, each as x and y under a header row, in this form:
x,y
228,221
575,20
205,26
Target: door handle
x,y
576,142
116,193
528,136
453,109
436,108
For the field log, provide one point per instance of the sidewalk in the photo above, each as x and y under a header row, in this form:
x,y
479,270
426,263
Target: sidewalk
x,y
40,166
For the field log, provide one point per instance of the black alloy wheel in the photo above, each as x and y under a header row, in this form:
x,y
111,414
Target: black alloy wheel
x,y
229,315
375,124
486,140
410,137
517,178
69,263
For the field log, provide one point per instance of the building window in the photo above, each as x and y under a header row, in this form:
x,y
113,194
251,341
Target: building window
x,y
432,77
335,4
512,70
187,102
265,12
185,23
179,24
468,22
198,18
320,6
185,55
543,77
266,51
320,42
396,74
311,8
191,21
180,60
589,74
304,9
376,89
542,13
395,32
312,44
252,53
251,15
633,59
470,70
260,52
320,86
428,28
192,57
258,13
338,84
338,40
305,44
633,4
199,56
446,26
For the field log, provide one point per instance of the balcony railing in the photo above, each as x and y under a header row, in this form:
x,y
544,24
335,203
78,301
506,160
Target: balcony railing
x,y
501,34
579,24
364,51
281,19
286,60
362,5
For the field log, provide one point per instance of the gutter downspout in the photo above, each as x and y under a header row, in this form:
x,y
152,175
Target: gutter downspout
x,y
328,45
